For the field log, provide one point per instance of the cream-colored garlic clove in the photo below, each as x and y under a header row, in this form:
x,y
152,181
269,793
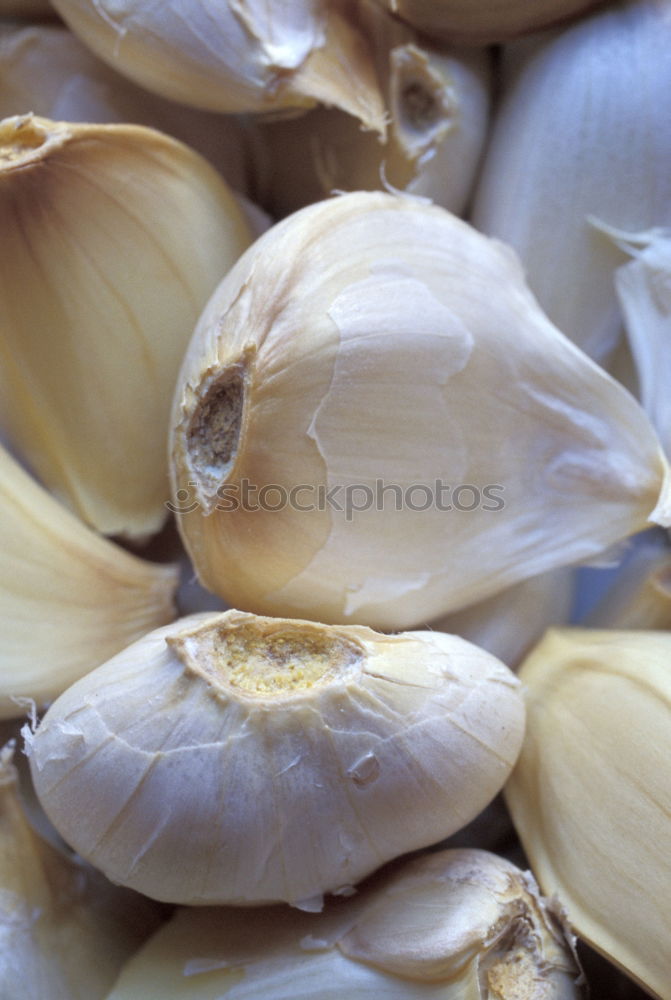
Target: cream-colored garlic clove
x,y
640,597
224,55
596,94
279,760
47,70
510,622
65,932
454,925
591,797
68,599
484,21
113,237
438,103
376,423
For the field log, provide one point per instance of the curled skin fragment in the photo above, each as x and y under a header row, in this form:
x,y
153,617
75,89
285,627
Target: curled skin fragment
x,y
321,752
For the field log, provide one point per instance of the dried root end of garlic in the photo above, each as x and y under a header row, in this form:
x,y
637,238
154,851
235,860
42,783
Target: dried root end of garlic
x,y
321,752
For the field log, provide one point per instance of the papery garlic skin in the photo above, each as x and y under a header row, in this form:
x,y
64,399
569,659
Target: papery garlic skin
x,y
45,69
590,796
68,599
113,237
438,105
223,55
65,932
583,132
372,339
320,753
484,21
455,925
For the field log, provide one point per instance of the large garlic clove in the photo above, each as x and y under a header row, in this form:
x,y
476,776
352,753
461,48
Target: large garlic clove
x,y
596,94
65,932
224,55
113,237
484,21
376,352
68,599
320,753
591,797
455,925
438,103
47,70
510,622
640,597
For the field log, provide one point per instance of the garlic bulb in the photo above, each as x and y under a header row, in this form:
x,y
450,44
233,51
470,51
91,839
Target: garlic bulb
x,y
484,21
591,797
320,753
596,96
224,55
68,599
64,931
117,234
438,103
47,70
640,597
376,423
454,925
512,621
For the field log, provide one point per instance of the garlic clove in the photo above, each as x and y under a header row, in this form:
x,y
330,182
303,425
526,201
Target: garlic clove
x,y
232,56
510,622
65,932
590,796
455,925
68,599
484,21
45,69
640,597
321,752
117,234
375,351
438,103
596,95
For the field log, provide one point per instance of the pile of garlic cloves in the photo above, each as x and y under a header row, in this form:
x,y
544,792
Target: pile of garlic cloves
x,y
335,500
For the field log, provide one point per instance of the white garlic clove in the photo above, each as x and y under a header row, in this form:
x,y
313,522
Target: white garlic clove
x,y
597,96
377,352
484,21
509,623
438,104
45,69
278,761
591,797
65,932
68,599
223,55
455,925
113,237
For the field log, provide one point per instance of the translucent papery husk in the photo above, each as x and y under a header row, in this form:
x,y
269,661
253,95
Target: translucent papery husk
x,y
65,932
438,104
113,237
640,597
47,70
510,622
484,21
454,925
591,797
320,753
226,55
597,96
376,423
68,599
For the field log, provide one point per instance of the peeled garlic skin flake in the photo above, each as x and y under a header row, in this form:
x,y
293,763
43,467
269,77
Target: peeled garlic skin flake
x,y
236,759
373,342
591,796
